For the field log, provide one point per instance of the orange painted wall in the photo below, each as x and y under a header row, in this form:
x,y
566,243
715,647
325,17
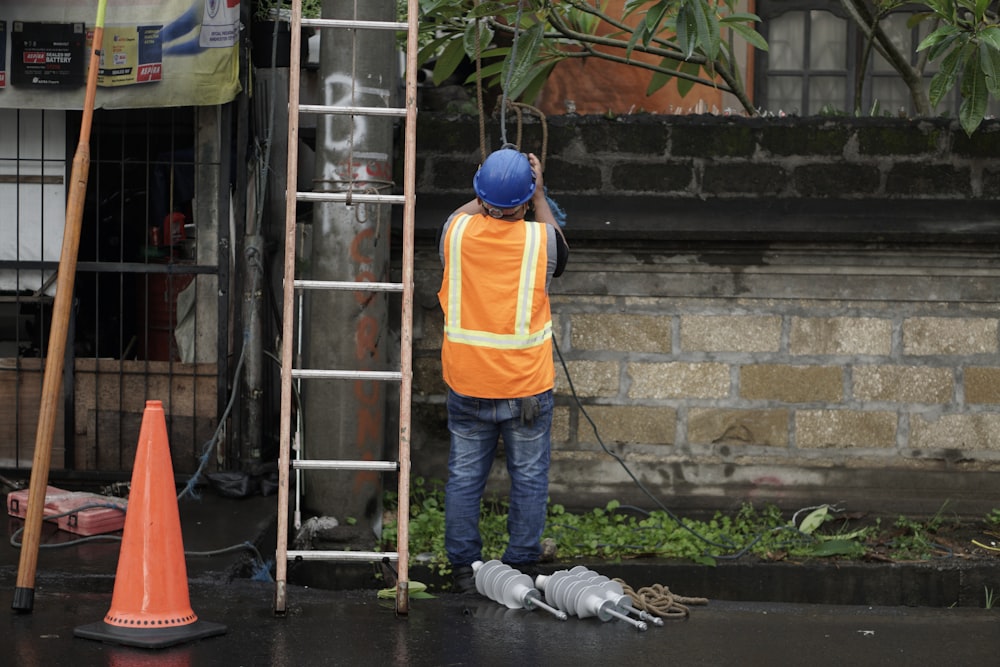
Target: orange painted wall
x,y
595,86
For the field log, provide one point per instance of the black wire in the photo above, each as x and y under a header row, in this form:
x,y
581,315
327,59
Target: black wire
x,y
107,537
642,487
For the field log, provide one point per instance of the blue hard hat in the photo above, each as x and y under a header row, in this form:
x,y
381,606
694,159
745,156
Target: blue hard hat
x,y
505,179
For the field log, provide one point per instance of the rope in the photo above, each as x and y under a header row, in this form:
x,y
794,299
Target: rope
x,y
657,600
541,118
517,107
504,102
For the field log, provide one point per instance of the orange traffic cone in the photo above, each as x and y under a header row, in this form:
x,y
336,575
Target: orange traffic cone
x,y
150,606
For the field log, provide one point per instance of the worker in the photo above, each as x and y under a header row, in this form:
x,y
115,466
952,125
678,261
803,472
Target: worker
x,y
496,356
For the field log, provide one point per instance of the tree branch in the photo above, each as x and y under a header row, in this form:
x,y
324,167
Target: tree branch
x,y
584,40
869,26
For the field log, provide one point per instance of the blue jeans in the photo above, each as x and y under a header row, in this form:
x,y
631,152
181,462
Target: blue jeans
x,y
476,425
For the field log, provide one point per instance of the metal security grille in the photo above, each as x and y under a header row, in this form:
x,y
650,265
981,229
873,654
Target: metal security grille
x,y
148,272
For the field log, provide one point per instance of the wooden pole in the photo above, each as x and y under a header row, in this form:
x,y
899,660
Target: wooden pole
x,y
24,593
406,320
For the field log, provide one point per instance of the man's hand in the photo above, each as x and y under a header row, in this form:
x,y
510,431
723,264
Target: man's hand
x,y
536,168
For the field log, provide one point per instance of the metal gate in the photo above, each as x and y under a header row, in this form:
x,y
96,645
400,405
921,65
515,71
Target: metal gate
x,y
150,312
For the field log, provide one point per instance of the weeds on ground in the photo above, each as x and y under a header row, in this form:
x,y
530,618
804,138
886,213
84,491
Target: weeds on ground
x,y
616,532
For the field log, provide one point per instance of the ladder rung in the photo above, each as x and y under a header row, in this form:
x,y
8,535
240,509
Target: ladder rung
x,y
317,374
315,464
349,285
348,23
352,111
355,197
353,556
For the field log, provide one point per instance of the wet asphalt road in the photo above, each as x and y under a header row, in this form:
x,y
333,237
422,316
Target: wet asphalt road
x,y
354,628
74,585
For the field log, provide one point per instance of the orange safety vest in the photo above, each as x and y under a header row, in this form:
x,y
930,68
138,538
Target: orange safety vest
x,y
497,320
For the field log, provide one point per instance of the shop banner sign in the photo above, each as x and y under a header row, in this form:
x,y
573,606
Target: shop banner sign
x,y
155,53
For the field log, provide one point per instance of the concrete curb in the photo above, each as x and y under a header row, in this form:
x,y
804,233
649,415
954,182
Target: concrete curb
x,y
944,583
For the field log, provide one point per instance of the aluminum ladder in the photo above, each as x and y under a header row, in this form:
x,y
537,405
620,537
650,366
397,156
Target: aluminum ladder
x,y
293,286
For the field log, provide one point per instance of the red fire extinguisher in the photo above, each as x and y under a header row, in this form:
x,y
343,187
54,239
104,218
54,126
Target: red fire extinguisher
x,y
173,228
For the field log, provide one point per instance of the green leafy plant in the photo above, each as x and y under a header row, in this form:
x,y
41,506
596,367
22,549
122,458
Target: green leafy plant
x,y
280,10
914,539
990,597
696,43
967,42
690,39
616,532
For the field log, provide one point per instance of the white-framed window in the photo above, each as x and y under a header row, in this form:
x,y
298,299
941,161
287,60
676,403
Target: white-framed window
x,y
820,62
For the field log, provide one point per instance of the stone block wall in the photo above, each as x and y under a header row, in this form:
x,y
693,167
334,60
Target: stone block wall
x,y
839,371
711,156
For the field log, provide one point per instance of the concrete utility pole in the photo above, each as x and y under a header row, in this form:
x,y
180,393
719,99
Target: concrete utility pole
x,y
345,419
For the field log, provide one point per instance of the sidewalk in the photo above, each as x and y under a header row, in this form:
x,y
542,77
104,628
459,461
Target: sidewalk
x,y
353,628
73,587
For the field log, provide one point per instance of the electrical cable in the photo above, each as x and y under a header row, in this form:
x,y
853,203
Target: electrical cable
x,y
260,563
504,144
736,551
189,488
628,471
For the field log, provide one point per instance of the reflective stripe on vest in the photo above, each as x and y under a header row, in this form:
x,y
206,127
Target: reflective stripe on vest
x,y
522,337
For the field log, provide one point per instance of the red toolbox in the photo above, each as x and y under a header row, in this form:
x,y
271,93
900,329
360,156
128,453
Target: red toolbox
x,y
108,517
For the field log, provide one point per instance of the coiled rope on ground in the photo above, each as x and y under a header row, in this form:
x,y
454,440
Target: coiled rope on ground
x,y
658,600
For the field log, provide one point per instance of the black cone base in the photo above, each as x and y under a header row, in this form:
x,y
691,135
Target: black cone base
x,y
149,637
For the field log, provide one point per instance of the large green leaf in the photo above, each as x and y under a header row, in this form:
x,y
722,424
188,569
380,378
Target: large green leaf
x,y
687,30
974,96
475,29
990,36
684,86
707,27
639,34
989,61
950,42
633,6
448,61
837,548
937,36
436,7
945,78
660,79
740,17
429,51
969,6
489,8
522,69
654,17
535,82
814,520
981,7
494,69
943,8
755,39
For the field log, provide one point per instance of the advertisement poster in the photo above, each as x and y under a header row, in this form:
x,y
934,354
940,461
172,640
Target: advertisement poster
x,y
47,54
155,53
130,56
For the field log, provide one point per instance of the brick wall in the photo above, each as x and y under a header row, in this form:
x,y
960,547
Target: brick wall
x,y
783,359
708,156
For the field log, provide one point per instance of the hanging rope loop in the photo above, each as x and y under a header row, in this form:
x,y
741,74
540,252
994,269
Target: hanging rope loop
x,y
517,108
